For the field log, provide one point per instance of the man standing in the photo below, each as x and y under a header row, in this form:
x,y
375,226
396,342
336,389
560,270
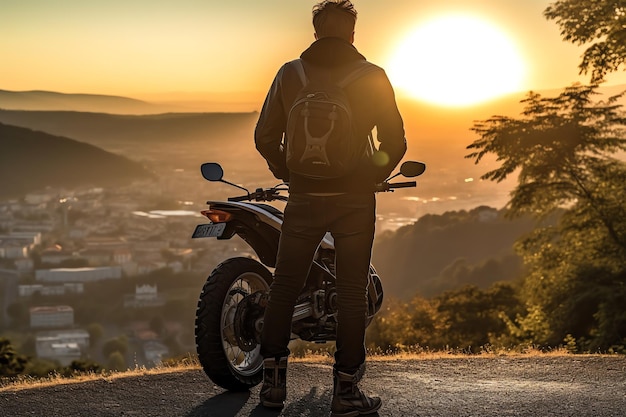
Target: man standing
x,y
344,206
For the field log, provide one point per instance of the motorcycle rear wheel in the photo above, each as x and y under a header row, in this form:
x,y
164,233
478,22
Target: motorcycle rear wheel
x,y
221,357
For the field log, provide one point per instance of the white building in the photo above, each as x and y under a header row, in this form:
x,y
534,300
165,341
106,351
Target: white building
x,y
64,346
17,245
122,256
13,249
52,316
41,197
24,264
145,296
78,274
31,238
65,288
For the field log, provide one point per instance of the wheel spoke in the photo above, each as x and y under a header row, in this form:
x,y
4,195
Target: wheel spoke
x,y
240,360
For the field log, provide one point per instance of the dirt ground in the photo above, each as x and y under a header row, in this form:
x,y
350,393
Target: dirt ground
x,y
537,385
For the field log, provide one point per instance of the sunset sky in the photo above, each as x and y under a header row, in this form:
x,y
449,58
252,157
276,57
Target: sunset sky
x,y
207,49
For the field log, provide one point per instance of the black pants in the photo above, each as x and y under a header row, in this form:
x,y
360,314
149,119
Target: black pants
x,y
350,218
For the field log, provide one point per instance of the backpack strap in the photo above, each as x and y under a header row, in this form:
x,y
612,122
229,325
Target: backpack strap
x,y
363,68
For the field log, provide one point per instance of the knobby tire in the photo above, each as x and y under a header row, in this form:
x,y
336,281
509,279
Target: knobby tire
x,y
209,333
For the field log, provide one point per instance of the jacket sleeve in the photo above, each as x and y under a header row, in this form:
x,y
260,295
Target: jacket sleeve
x,y
390,130
270,129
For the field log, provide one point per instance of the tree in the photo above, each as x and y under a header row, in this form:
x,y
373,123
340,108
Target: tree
x,y
11,362
468,318
599,22
96,331
42,368
474,318
116,362
562,149
401,326
118,344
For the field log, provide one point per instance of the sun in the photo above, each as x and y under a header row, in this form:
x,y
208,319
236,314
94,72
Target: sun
x,y
457,61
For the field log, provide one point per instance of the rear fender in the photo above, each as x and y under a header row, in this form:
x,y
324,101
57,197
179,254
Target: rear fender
x,y
258,225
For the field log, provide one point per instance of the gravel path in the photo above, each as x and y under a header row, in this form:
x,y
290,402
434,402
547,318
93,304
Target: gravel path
x,y
539,385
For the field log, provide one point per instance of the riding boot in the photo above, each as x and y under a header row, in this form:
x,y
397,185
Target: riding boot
x,y
274,389
348,400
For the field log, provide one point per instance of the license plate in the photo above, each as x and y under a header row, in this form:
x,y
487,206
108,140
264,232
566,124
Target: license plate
x,y
209,230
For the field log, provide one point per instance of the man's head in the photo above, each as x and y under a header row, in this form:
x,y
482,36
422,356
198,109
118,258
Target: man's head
x,y
334,18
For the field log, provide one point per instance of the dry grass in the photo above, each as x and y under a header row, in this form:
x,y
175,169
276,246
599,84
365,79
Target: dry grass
x,y
191,363
26,382
419,353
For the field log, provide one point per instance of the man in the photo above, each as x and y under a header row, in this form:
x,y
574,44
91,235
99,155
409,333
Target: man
x,y
343,206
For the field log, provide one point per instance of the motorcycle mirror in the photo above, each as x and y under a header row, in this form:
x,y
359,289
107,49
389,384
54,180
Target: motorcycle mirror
x,y
212,171
412,168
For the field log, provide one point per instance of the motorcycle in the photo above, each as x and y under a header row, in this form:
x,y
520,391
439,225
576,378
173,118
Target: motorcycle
x,y
229,315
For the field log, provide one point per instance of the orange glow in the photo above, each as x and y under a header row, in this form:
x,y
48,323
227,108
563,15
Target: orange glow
x,y
222,56
457,60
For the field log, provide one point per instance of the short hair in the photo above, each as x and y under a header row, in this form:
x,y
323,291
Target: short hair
x,y
334,18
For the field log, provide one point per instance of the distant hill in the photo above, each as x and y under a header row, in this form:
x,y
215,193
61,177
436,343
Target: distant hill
x,y
447,251
48,100
31,160
105,130
99,103
163,141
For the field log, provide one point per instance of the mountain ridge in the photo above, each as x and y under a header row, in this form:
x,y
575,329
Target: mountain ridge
x,y
34,160
32,100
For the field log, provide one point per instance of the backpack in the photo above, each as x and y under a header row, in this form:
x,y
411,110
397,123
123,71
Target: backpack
x,y
321,142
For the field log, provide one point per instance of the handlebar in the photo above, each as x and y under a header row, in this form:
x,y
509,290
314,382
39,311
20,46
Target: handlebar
x,y
406,184
271,194
240,198
262,194
386,186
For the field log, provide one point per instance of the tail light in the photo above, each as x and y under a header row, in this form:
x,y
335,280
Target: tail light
x,y
217,216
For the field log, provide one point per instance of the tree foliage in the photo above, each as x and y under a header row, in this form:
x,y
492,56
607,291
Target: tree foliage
x,y
468,318
96,331
11,362
116,362
117,344
601,23
563,150
446,251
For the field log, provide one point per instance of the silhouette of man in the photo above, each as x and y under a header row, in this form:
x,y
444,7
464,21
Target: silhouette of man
x,y
344,206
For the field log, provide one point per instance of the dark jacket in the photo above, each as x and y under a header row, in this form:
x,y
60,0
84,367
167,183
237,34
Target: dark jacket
x,y
373,105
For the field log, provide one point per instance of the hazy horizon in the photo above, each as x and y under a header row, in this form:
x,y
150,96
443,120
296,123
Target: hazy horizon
x,y
227,54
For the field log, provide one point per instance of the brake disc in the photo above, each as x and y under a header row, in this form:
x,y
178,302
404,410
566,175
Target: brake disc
x,y
249,311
